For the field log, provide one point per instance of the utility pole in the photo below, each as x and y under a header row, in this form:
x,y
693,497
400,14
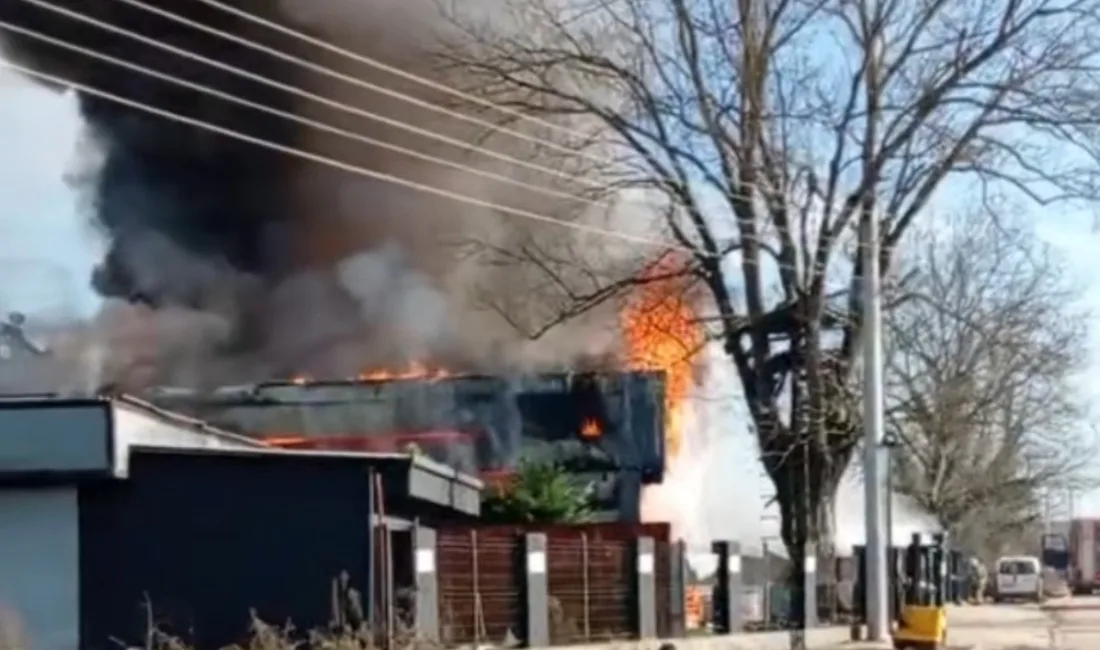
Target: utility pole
x,y
877,609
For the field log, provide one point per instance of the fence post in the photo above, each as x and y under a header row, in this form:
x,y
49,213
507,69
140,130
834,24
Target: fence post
x,y
677,584
536,590
727,588
426,604
645,589
859,597
809,587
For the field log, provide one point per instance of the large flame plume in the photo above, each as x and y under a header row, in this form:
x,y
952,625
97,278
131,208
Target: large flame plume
x,y
662,331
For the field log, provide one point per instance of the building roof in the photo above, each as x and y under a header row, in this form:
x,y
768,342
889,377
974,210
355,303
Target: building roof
x,y
52,438
504,418
49,434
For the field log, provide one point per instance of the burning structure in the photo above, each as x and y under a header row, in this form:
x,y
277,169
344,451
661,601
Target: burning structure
x,y
236,262
607,430
231,264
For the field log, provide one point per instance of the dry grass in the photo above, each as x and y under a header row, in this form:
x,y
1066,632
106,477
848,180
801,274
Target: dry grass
x,y
346,631
264,636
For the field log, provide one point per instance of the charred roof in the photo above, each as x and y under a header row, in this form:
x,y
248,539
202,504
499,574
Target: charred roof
x,y
504,417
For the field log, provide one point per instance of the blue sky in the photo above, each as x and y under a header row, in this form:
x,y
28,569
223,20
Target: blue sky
x,y
47,251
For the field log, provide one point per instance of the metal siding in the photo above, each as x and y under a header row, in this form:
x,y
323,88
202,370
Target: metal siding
x,y
54,438
39,569
206,538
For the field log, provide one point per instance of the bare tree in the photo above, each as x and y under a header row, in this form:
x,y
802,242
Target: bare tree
x,y
767,131
984,352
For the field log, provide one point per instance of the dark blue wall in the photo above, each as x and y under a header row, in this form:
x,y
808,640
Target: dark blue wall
x,y
206,539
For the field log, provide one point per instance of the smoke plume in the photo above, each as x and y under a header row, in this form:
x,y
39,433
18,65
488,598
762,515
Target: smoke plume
x,y
720,458
226,261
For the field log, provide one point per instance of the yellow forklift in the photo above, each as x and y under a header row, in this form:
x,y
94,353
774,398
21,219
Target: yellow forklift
x,y
920,612
923,577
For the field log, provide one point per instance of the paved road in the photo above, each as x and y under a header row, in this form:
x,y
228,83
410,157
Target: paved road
x,y
1062,624
1067,624
1074,623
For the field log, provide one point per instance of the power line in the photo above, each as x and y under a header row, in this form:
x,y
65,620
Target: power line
x,y
294,90
389,92
394,70
389,178
329,72
378,64
321,125
229,97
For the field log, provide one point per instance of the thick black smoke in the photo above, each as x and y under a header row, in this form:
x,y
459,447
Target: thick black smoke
x,y
166,189
228,260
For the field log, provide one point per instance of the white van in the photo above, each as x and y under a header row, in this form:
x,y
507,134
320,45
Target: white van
x,y
1018,577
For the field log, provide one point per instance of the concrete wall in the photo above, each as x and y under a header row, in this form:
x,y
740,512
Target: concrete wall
x,y
39,568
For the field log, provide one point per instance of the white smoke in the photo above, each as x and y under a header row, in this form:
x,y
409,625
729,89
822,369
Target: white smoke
x,y
716,488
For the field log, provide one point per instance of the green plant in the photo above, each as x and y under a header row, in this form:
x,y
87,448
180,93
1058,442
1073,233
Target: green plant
x,y
538,492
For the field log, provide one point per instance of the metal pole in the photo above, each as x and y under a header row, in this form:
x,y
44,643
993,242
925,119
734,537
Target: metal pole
x,y
874,502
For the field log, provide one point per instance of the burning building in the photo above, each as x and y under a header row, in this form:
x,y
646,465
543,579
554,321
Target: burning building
x,y
240,266
606,429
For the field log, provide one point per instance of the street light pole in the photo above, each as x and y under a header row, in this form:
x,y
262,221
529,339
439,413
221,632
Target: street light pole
x,y
874,503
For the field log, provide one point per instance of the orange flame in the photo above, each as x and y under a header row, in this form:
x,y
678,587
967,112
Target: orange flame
x,y
590,429
662,332
414,371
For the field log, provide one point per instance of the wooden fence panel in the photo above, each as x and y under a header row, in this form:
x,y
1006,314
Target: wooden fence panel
x,y
590,573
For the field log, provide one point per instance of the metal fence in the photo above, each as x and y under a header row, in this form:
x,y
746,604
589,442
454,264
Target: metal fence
x,y
556,585
765,594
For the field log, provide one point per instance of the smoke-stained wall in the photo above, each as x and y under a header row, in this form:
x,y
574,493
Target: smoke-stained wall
x,y
479,425
228,261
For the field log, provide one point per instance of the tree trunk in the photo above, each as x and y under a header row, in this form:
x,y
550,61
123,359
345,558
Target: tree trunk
x,y
806,484
807,479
